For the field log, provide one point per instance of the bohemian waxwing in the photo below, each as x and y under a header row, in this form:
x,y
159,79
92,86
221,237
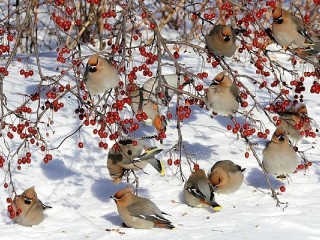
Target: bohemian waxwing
x,y
141,104
30,206
295,122
198,191
100,75
139,212
226,177
278,156
131,155
152,89
221,41
222,96
289,31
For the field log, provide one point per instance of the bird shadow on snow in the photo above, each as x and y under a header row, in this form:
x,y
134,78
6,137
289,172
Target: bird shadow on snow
x,y
202,151
102,189
56,170
255,178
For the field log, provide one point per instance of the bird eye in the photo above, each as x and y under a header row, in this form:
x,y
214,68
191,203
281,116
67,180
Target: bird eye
x,y
92,68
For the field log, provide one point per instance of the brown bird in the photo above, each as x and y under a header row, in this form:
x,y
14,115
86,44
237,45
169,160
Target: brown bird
x,y
30,208
131,155
295,122
100,75
221,41
198,191
162,94
289,31
226,177
139,212
222,96
147,109
278,156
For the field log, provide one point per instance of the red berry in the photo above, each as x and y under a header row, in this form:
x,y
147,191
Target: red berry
x,y
169,161
282,188
196,167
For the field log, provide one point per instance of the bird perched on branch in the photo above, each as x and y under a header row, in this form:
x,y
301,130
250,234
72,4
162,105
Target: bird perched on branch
x,y
145,108
131,155
288,30
159,94
100,75
226,177
295,122
199,192
222,96
29,208
139,212
221,41
279,158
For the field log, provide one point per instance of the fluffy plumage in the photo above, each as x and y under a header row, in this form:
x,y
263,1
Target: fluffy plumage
x,y
278,156
31,208
221,41
100,75
139,212
131,155
198,190
222,96
226,176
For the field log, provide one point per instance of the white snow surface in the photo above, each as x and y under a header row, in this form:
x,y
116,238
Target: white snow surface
x,y
77,185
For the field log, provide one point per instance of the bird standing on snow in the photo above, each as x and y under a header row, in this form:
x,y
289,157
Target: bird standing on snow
x,y
222,96
131,155
198,191
226,177
295,122
278,156
30,206
139,212
289,31
221,41
100,75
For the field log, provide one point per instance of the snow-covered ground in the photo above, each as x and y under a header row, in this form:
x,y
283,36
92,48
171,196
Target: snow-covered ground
x,y
77,185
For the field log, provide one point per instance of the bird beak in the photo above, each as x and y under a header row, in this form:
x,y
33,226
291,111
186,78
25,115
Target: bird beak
x,y
281,137
92,68
226,38
279,20
114,198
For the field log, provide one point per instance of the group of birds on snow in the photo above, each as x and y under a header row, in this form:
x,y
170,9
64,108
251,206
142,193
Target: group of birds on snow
x,y
222,97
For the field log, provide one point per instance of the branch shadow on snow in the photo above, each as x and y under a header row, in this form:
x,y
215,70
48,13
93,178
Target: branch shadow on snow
x,y
56,170
255,178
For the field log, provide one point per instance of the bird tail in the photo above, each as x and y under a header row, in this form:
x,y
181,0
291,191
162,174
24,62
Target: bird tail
x,y
158,165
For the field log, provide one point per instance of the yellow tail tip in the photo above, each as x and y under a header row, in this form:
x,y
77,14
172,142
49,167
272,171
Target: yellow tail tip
x,y
218,208
163,171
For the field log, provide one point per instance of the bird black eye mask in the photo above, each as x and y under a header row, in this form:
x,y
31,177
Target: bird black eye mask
x,y
28,200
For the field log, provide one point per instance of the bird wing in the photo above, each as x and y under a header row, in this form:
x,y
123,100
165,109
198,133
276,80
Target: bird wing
x,y
85,75
146,211
195,191
301,29
235,92
148,153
